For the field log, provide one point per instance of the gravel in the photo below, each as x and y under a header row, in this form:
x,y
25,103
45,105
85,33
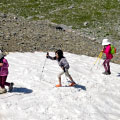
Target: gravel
x,y
18,34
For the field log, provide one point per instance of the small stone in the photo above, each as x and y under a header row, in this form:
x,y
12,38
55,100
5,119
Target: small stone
x,y
85,24
4,16
72,6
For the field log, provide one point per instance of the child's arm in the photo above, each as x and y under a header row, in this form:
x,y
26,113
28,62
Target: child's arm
x,y
49,57
4,63
103,49
108,49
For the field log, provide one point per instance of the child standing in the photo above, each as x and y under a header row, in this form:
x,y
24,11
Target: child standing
x,y
63,64
3,74
109,56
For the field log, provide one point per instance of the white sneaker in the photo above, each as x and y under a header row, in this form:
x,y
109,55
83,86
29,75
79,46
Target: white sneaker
x,y
2,90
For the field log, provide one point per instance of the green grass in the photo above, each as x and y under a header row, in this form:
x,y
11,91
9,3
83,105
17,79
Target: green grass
x,y
96,12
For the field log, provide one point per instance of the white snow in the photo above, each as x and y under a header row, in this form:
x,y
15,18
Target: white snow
x,y
35,97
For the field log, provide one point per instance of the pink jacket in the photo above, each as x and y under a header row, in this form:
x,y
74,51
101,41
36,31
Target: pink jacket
x,y
107,52
4,68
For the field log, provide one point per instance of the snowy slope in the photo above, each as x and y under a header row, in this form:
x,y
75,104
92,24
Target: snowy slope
x,y
35,97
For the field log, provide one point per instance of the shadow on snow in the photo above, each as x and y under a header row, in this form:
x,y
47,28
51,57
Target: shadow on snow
x,y
22,90
80,86
118,75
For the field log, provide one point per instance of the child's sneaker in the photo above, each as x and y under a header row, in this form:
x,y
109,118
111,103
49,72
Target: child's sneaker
x,y
2,90
72,84
11,87
58,85
106,73
109,72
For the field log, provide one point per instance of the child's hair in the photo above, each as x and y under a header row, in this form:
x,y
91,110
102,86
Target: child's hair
x,y
60,54
1,55
1,60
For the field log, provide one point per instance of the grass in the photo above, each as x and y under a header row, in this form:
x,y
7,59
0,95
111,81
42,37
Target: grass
x,y
98,13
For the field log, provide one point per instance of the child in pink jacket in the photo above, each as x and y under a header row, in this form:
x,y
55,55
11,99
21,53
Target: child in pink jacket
x,y
3,74
109,56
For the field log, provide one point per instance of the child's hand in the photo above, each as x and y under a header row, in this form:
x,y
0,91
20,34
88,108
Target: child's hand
x,y
47,54
103,49
1,64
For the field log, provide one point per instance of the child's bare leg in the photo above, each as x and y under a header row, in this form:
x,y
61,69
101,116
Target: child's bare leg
x,y
59,80
71,78
59,77
68,75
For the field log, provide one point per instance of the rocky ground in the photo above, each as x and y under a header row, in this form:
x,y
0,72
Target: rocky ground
x,y
23,35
